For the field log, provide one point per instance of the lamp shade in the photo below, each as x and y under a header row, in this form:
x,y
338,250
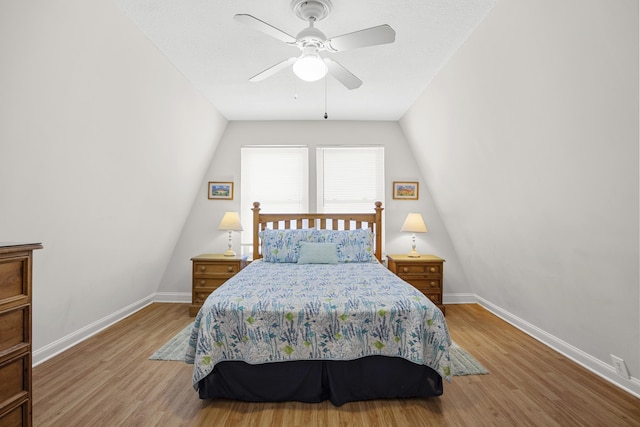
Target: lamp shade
x,y
230,221
414,224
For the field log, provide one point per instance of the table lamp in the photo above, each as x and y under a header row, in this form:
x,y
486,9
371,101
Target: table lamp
x,y
414,224
230,222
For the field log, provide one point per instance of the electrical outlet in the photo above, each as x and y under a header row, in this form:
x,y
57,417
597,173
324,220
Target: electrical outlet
x,y
620,366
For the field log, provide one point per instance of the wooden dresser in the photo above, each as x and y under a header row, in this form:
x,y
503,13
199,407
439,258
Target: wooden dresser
x,y
208,273
424,272
15,333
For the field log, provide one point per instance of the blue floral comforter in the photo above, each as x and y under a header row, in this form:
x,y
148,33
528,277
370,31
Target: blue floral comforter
x,y
276,312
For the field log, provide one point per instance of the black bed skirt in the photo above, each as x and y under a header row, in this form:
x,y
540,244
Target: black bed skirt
x,y
372,377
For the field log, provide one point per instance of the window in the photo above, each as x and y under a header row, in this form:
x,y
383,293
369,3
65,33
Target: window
x,y
275,176
349,179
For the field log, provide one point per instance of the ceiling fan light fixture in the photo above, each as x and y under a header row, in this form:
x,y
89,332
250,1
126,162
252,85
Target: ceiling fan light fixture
x,y
310,67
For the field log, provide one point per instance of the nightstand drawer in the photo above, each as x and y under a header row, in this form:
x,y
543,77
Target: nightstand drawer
x,y
226,269
426,284
419,269
199,296
207,283
435,297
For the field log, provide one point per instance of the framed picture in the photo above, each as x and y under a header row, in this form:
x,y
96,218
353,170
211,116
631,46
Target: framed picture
x,y
405,190
220,190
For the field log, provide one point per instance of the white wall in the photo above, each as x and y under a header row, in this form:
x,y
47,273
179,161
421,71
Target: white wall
x,y
200,234
102,147
528,141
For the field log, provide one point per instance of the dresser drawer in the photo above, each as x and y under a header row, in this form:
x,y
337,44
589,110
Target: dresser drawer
x,y
18,416
218,268
14,328
14,379
13,283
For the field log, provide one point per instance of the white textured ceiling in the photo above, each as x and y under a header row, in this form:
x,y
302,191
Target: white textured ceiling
x,y
219,54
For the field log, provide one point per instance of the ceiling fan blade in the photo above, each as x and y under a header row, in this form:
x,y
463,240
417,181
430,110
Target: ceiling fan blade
x,y
273,69
259,25
381,34
343,75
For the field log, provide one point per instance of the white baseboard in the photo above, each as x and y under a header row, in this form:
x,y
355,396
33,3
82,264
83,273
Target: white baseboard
x,y
459,299
181,297
50,350
598,367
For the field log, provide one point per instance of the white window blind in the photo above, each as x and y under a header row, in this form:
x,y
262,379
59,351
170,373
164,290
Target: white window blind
x,y
275,176
350,179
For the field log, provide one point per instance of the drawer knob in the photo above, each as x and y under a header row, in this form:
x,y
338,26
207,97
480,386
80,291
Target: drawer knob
x,y
433,284
433,269
405,269
229,269
203,268
202,282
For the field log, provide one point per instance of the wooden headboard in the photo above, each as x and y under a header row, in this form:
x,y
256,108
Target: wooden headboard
x,y
339,221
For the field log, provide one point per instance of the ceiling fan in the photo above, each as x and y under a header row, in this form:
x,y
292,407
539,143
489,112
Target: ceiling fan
x,y
309,65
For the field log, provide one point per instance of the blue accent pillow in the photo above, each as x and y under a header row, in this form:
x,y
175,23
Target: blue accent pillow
x,y
353,245
282,245
318,253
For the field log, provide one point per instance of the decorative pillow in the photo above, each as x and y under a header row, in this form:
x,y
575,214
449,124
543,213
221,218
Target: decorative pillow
x,y
318,253
353,245
282,245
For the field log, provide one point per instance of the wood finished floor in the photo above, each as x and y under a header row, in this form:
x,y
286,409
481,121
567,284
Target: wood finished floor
x,y
108,380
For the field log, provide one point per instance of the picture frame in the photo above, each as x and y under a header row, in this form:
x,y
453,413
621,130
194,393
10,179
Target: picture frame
x,y
405,190
217,190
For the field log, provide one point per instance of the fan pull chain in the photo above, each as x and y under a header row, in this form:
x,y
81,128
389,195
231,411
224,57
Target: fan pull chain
x,y
326,116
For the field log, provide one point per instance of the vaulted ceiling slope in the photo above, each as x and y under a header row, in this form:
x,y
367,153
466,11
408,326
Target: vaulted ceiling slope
x,y
219,54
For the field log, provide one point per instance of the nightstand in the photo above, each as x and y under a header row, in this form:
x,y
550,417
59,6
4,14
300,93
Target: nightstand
x,y
424,272
208,273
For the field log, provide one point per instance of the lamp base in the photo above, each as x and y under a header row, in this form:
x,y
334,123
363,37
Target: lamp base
x,y
229,252
413,254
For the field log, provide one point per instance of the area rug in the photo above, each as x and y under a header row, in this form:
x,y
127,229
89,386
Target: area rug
x,y
462,363
175,348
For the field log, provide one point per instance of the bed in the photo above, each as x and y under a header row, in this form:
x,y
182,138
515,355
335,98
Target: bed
x,y
316,316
